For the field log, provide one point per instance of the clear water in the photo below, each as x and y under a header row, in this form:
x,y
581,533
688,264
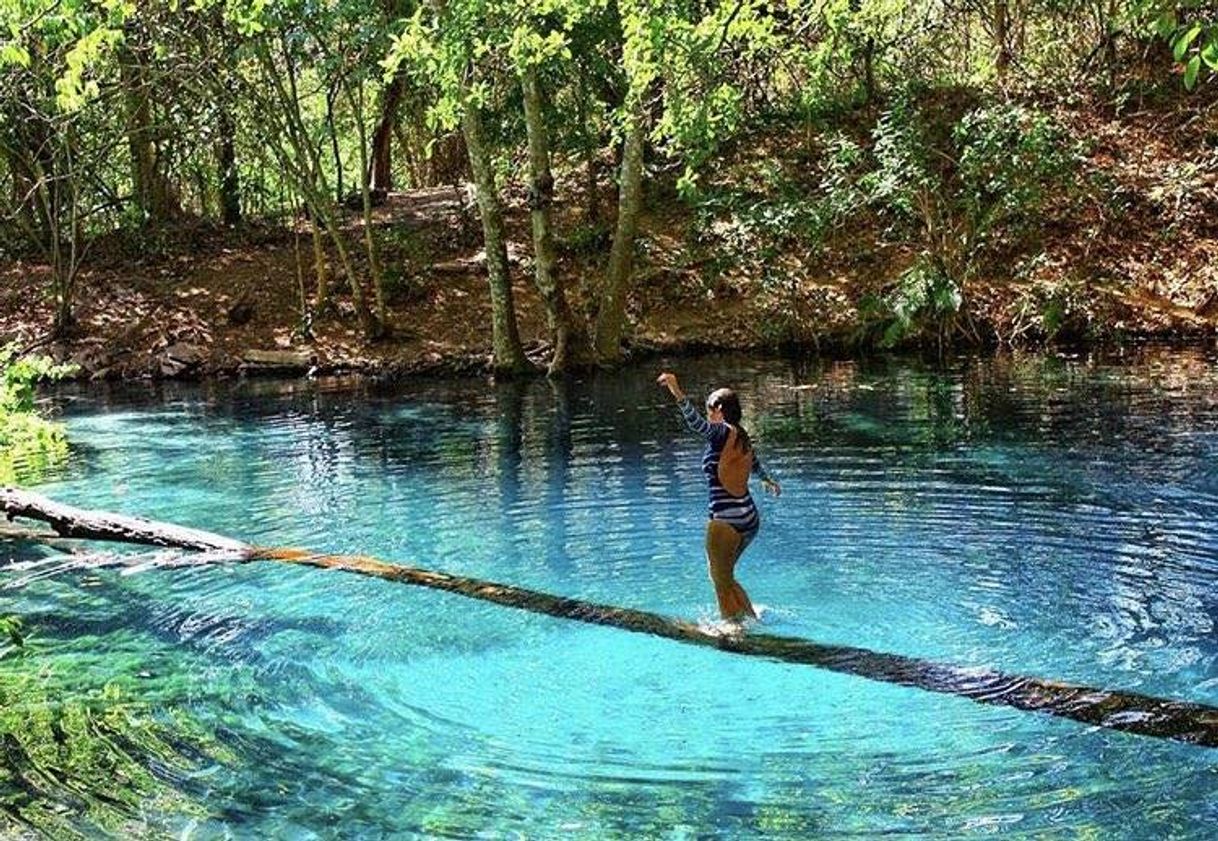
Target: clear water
x,y
1045,516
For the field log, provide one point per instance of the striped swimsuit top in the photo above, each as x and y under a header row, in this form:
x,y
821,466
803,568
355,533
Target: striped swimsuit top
x,y
740,512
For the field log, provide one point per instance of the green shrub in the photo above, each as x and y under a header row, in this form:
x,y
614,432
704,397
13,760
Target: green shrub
x,y
964,194
29,443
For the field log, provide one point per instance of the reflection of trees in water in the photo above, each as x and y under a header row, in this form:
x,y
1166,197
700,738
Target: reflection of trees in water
x,y
1130,581
1132,438
557,454
508,442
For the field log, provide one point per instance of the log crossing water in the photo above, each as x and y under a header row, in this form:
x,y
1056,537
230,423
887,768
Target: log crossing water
x,y
1131,712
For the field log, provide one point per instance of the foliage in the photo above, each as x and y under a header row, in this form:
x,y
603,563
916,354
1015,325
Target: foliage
x,y
962,186
100,97
28,442
960,194
12,637
95,764
586,239
1191,27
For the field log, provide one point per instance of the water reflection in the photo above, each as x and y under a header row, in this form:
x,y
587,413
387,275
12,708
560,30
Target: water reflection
x,y
1046,516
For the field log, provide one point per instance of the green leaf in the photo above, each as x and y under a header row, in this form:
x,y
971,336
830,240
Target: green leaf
x,y
1209,54
1166,24
1180,47
1190,72
14,54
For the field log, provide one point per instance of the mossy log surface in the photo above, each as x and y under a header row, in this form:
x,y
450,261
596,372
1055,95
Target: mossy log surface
x,y
1127,711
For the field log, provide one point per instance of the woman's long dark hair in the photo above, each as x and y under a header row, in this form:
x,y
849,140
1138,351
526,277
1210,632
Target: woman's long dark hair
x,y
726,401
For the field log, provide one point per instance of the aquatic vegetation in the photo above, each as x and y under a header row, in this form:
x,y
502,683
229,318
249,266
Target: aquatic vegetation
x,y
81,756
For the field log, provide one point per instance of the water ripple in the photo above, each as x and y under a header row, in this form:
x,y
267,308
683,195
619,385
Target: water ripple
x,y
1053,518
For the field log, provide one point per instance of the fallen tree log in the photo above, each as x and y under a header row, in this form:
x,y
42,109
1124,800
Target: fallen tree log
x,y
1127,711
69,521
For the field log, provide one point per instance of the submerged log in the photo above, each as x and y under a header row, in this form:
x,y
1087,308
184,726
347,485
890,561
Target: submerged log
x,y
1127,711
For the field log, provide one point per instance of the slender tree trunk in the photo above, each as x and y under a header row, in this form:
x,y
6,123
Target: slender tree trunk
x,y
230,186
612,315
1110,42
381,175
24,180
65,199
306,312
570,345
334,150
509,355
44,170
302,163
319,265
143,161
356,101
589,146
1002,35
369,324
869,69
151,189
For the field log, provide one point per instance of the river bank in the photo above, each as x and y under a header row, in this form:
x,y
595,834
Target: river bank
x,y
1130,255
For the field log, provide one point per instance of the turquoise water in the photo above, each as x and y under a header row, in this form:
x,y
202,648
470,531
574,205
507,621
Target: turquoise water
x,y
1044,516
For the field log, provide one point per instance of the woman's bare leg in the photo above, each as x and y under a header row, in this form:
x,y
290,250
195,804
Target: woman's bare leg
x,y
723,546
743,605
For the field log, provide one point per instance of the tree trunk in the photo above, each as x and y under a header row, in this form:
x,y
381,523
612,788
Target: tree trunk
x,y
588,145
381,175
151,191
869,69
1002,63
69,521
369,324
1111,29
306,311
302,163
23,181
356,101
332,129
322,298
509,356
230,185
59,201
570,344
1146,715
612,315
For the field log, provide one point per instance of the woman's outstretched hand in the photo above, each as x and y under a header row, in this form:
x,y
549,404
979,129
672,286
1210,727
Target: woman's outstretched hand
x,y
669,381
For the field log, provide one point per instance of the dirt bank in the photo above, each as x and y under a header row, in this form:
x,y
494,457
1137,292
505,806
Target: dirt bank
x,y
1138,259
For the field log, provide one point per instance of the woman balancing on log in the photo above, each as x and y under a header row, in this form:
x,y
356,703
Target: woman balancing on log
x,y
727,463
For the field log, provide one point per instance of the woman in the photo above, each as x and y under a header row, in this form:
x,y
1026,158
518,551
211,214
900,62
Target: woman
x,y
727,463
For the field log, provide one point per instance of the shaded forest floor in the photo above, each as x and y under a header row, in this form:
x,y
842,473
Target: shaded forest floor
x,y
1137,257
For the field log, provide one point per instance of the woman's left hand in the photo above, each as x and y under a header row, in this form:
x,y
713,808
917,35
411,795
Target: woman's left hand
x,y
669,381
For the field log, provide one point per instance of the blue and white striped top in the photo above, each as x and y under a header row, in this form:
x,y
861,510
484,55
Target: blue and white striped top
x,y
740,512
